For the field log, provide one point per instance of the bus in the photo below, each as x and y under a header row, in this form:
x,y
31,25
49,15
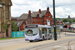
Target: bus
x,y
37,32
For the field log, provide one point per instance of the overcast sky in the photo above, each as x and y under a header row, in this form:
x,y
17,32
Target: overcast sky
x,y
63,7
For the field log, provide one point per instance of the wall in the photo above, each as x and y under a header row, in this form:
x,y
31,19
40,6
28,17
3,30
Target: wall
x,y
2,35
48,16
22,27
37,21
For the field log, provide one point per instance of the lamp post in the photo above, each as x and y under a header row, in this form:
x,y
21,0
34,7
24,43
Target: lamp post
x,y
55,34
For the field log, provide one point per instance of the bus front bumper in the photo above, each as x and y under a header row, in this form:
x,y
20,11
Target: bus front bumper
x,y
26,39
30,39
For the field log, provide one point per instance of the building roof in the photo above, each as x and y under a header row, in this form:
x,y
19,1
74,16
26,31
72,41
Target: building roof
x,y
14,17
19,23
33,14
23,16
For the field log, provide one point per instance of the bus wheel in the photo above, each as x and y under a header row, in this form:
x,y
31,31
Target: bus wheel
x,y
31,41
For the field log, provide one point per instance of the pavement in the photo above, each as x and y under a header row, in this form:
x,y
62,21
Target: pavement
x,y
11,40
20,44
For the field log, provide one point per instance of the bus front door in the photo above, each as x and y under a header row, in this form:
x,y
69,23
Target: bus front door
x,y
40,33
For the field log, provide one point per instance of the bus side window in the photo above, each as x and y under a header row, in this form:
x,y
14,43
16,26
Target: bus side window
x,y
44,30
49,30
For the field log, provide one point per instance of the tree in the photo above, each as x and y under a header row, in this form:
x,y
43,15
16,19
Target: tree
x,y
65,20
13,25
73,20
14,28
4,26
69,20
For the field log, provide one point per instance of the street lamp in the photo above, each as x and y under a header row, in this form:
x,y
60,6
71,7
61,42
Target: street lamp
x,y
55,34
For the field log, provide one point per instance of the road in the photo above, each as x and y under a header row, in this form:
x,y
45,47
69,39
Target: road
x,y
12,42
21,43
60,45
63,45
16,41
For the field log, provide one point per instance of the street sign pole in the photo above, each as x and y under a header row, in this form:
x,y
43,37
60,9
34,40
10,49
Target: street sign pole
x,y
55,35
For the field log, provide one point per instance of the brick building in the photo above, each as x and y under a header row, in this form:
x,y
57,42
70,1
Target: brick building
x,y
39,17
59,23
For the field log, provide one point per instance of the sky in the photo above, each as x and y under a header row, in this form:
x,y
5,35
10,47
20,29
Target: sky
x,y
63,8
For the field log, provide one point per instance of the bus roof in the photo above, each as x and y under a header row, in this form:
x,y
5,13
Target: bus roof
x,y
40,26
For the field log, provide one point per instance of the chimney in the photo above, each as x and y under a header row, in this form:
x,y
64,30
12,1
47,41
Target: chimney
x,y
40,11
29,12
47,8
38,15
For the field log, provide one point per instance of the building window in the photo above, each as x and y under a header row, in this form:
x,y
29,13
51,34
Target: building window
x,y
40,15
50,23
49,16
46,23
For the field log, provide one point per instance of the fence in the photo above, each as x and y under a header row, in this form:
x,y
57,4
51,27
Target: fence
x,y
17,34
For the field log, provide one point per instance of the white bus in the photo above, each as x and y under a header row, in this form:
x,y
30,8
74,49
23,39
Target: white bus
x,y
37,32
